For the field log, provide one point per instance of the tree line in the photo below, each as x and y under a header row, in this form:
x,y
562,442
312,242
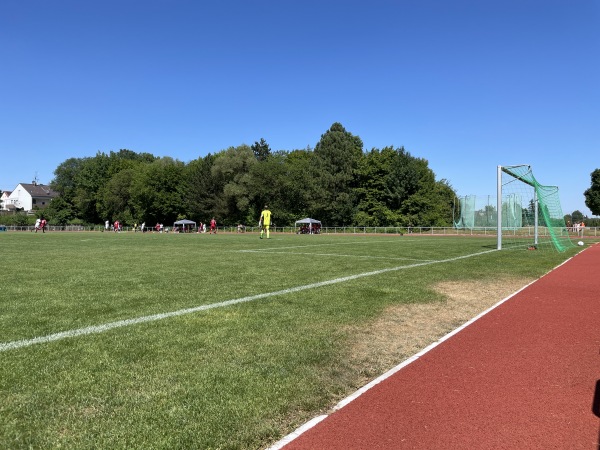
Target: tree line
x,y
337,182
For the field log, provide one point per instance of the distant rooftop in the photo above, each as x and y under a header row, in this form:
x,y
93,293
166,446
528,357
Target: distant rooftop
x,y
39,190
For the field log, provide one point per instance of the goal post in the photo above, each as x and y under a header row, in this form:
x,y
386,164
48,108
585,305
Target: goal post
x,y
529,213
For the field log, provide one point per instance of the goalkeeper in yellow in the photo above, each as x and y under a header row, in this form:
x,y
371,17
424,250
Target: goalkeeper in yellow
x,y
265,221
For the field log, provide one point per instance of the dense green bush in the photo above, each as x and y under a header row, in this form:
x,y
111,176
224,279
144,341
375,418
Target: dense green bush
x,y
17,220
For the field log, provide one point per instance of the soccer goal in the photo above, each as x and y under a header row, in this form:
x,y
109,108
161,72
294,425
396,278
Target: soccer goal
x,y
528,213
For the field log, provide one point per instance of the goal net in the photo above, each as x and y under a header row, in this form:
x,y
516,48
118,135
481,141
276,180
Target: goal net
x,y
530,213
523,214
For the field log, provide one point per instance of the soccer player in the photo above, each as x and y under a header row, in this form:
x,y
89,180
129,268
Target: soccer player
x,y
213,226
265,221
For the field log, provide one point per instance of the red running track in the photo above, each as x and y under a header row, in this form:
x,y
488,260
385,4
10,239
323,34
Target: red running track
x,y
523,376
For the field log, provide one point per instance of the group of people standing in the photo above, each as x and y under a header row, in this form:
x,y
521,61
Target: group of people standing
x,y
264,225
310,229
212,227
578,228
117,226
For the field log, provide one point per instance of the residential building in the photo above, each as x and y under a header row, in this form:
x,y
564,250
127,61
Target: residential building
x,y
3,200
29,197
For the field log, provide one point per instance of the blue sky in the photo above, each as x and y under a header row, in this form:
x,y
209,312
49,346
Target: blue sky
x,y
467,85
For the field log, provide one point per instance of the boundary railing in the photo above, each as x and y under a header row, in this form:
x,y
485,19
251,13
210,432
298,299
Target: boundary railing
x,y
435,231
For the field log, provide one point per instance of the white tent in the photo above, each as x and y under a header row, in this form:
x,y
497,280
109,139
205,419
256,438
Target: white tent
x,y
308,221
184,224
309,226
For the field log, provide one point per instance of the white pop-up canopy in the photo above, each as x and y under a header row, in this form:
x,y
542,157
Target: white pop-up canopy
x,y
307,221
185,222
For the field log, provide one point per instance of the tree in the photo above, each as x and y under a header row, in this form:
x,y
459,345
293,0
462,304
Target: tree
x,y
92,175
409,176
281,181
83,184
373,189
592,195
115,197
577,216
231,169
201,191
336,183
59,211
264,187
65,183
294,187
157,191
426,202
395,188
431,206
336,157
261,150
65,176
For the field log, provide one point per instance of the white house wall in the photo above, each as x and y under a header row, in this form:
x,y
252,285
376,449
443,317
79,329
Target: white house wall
x,y
20,198
3,201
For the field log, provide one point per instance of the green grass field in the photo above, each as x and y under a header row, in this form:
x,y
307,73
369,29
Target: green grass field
x,y
233,375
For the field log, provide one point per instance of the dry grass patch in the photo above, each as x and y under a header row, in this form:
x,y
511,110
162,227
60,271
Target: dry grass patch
x,y
403,330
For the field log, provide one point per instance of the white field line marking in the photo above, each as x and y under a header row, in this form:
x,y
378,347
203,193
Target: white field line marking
x,y
310,424
315,245
4,346
336,254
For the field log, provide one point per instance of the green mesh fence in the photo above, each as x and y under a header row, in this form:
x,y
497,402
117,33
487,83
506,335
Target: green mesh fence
x,y
473,212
